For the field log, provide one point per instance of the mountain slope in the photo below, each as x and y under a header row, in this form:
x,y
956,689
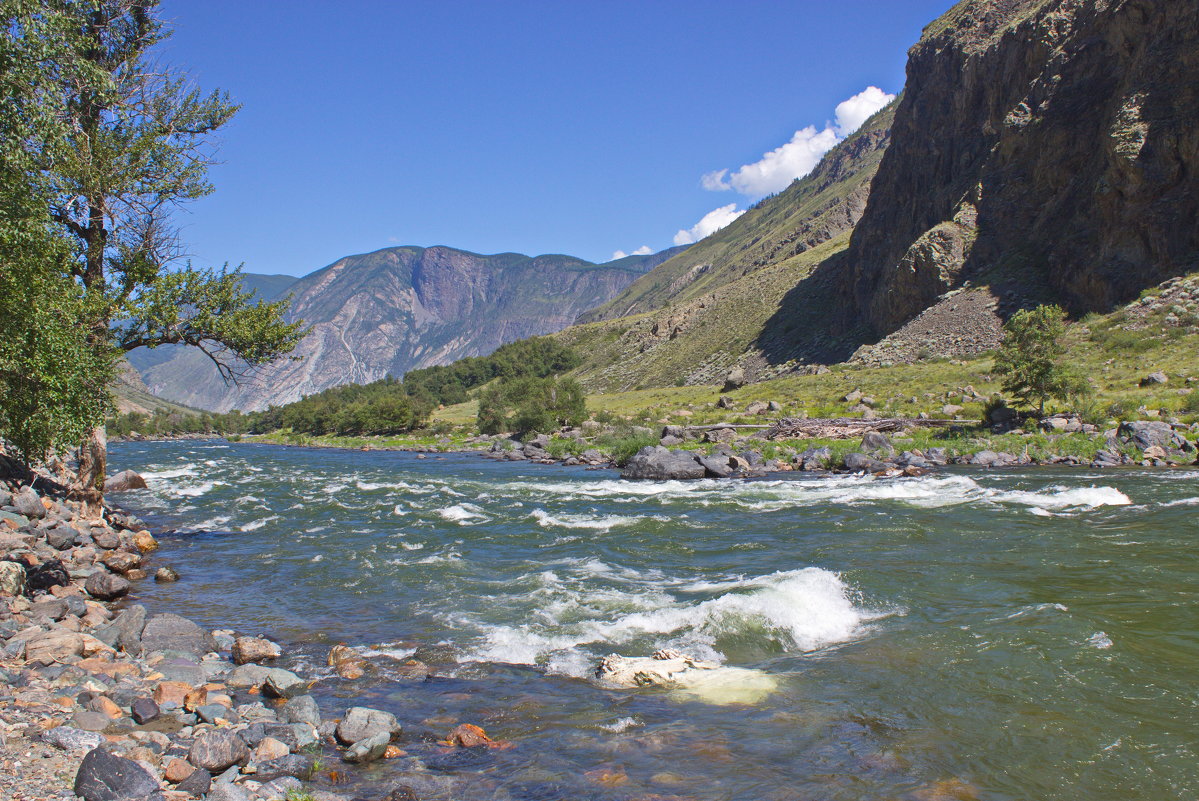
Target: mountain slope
x,y
731,298
399,308
814,209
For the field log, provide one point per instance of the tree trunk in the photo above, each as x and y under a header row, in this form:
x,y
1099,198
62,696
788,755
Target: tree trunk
x,y
93,459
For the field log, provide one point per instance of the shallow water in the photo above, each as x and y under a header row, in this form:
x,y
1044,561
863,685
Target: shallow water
x,y
1003,635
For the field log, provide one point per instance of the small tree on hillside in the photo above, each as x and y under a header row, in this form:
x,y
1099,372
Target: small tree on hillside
x,y
1030,358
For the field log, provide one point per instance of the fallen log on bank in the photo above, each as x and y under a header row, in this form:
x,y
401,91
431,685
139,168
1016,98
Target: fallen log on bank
x,y
847,427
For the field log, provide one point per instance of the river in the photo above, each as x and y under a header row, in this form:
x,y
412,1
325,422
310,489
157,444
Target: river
x,y
1020,634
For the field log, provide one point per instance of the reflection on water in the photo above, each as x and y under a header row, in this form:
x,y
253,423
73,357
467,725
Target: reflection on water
x,y
1005,635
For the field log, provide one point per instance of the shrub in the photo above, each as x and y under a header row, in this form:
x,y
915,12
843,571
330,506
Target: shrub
x,y
522,405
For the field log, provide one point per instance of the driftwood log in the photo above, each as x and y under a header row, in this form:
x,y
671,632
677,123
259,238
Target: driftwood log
x,y
846,427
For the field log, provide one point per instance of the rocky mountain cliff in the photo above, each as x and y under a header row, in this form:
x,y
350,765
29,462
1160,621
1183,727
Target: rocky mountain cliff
x,y
1042,151
1043,147
401,308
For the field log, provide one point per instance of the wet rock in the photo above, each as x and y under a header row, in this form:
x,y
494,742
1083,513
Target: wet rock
x,y
71,739
297,765
301,709
217,749
121,561
144,541
166,574
124,481
269,748
284,788
368,749
144,710
283,684
659,464
248,676
103,776
175,634
254,649
360,722
12,579
468,735
106,586
413,670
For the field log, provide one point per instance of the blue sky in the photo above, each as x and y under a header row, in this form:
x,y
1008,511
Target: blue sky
x,y
556,127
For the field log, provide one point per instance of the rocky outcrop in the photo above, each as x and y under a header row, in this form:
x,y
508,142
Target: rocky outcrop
x,y
1043,146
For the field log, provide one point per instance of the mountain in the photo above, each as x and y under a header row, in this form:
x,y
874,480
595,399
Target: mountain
x,y
400,308
730,298
1041,151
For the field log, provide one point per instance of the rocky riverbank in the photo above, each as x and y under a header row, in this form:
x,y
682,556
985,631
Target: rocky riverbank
x,y
102,701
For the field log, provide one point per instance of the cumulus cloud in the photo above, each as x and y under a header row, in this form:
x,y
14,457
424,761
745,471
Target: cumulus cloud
x,y
710,223
795,159
856,110
644,250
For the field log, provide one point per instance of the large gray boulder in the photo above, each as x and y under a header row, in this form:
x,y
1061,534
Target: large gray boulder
x,y
361,722
217,749
124,481
175,634
368,749
28,503
659,464
1147,433
860,462
103,776
125,630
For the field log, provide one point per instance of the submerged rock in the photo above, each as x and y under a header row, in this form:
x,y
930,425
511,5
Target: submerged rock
x,y
689,677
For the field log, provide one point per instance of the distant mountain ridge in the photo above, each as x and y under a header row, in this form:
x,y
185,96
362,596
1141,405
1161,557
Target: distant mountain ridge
x,y
397,309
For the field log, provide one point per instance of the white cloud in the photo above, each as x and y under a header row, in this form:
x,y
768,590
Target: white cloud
x,y
644,250
778,168
710,223
856,110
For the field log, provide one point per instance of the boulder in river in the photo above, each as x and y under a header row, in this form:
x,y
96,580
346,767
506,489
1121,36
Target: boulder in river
x,y
124,481
659,464
368,749
690,677
254,649
360,722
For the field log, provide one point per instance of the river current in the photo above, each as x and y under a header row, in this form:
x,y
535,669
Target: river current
x,y
1023,634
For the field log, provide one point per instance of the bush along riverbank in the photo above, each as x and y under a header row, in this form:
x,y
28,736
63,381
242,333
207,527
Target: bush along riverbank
x,y
102,701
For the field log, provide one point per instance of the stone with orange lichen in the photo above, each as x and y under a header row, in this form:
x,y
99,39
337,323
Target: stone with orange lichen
x,y
195,698
177,770
394,751
467,735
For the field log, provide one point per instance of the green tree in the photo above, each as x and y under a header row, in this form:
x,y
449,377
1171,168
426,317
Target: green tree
x,y
523,405
1031,357
133,143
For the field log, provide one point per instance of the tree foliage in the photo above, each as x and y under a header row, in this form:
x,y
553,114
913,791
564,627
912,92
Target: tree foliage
x,y
525,404
449,384
1031,357
380,408
100,147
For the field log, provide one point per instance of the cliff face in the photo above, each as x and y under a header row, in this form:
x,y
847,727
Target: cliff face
x,y
401,308
1038,142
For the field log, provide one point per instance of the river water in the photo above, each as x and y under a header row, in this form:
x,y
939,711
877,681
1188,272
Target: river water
x,y
1029,634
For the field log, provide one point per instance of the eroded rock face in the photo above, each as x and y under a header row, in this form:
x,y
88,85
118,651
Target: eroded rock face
x,y
1055,139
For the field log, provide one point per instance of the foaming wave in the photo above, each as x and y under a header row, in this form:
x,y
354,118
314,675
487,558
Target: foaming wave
x,y
801,610
196,490
254,525
462,513
602,523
